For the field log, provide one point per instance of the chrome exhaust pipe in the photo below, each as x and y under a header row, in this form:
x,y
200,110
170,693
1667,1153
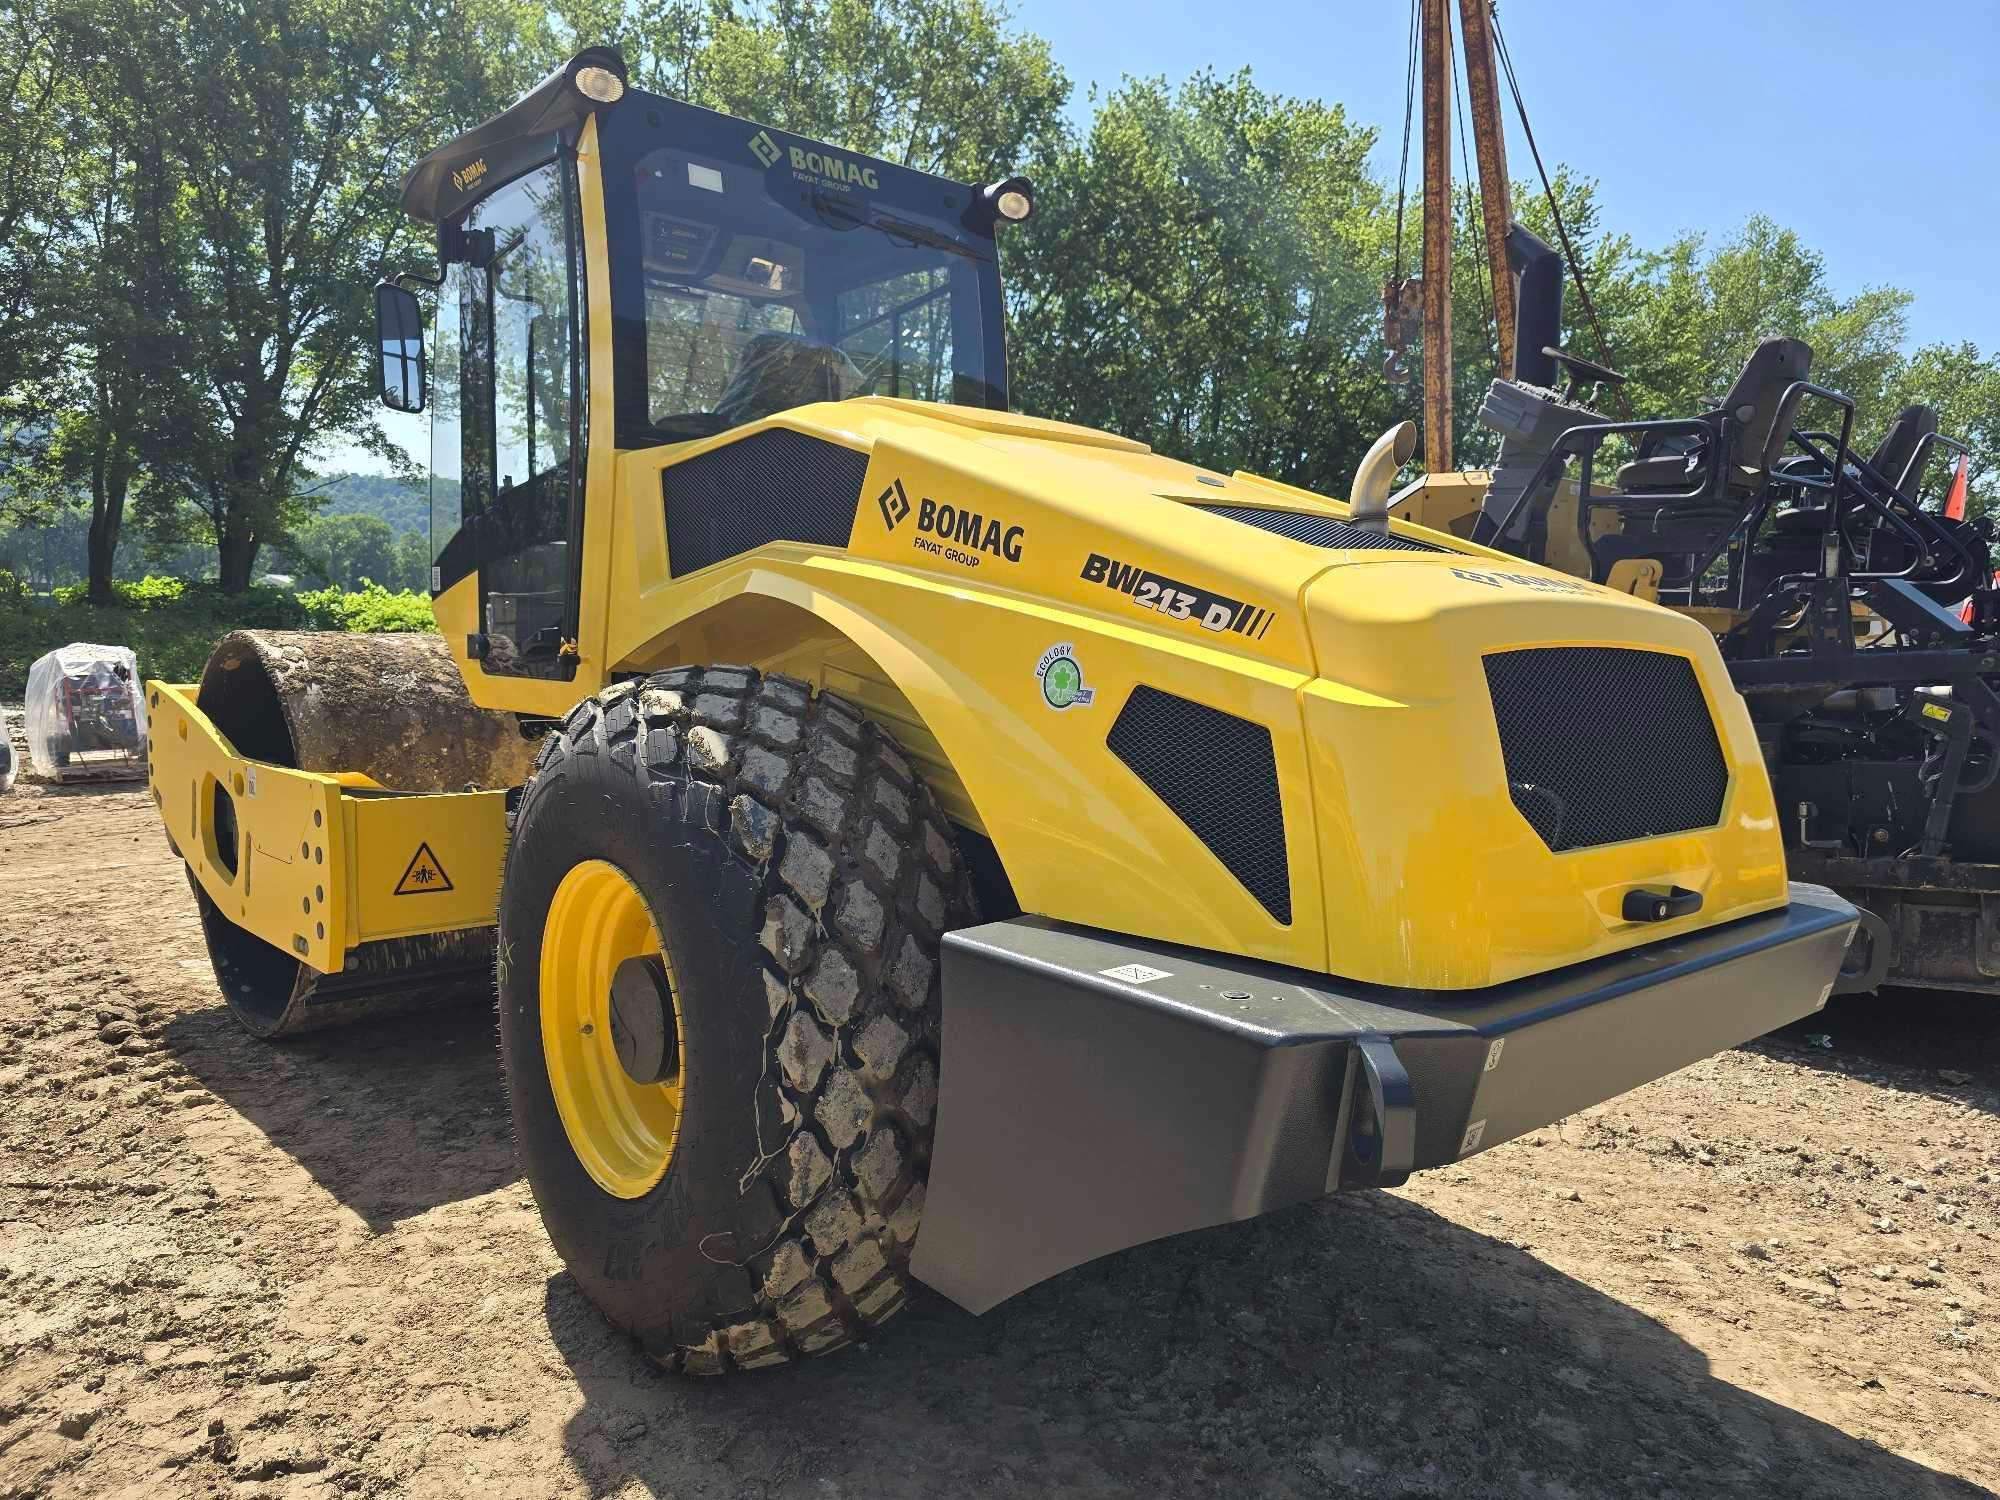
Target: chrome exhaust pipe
x,y
1368,500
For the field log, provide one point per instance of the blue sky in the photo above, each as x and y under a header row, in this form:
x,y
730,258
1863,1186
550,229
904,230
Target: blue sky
x,y
1872,129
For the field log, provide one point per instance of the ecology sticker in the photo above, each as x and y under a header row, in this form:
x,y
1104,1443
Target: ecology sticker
x,y
1061,676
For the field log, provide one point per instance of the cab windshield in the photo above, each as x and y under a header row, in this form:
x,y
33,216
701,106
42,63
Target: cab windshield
x,y
753,271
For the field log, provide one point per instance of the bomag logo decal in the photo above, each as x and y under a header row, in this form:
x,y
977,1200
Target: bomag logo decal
x,y
826,168
1159,594
468,174
895,503
819,167
952,532
1523,580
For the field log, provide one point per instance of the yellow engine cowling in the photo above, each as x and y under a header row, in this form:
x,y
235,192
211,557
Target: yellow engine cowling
x,y
1433,873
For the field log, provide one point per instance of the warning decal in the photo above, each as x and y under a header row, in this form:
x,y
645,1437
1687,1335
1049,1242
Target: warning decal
x,y
424,874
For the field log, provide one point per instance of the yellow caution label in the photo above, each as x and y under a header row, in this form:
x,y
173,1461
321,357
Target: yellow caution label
x,y
424,874
1937,711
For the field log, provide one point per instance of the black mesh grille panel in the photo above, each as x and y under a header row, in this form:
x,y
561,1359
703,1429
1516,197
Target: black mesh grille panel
x,y
1321,531
773,486
1604,744
1219,776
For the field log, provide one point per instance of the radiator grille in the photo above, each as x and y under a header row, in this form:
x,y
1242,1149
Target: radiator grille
x,y
1321,531
773,486
1606,743
1219,775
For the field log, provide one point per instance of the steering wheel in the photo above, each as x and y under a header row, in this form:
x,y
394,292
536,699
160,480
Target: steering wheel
x,y
1583,371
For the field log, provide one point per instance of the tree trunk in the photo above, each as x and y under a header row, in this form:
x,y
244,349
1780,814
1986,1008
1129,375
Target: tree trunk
x,y
110,479
238,557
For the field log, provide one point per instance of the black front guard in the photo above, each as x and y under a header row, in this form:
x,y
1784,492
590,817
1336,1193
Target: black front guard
x,y
1099,1091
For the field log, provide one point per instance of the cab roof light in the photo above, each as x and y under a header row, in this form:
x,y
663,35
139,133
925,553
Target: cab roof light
x,y
1012,199
599,84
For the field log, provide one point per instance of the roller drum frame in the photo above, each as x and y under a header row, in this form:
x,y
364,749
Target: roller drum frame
x,y
393,709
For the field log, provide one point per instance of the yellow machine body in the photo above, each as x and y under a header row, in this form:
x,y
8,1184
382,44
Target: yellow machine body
x,y
1287,848
1409,865
1366,669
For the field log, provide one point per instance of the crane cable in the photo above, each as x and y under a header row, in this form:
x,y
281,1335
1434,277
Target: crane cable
x,y
1409,115
1555,211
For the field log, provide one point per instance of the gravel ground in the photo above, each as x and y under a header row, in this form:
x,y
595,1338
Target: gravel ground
x,y
229,1268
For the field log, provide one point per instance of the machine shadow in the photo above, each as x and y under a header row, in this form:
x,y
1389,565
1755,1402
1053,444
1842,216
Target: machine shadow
x,y
1906,1040
392,1117
1361,1345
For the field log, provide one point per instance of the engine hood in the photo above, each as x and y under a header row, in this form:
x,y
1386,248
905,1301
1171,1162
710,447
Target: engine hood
x,y
1105,523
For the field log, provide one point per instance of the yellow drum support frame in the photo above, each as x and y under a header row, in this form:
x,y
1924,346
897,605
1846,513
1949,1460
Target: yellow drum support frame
x,y
314,864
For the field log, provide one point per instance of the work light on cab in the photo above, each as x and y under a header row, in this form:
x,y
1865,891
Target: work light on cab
x,y
600,84
1012,199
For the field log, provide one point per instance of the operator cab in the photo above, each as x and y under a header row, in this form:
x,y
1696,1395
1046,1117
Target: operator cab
x,y
748,271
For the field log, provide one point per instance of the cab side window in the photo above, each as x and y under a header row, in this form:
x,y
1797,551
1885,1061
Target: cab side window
x,y
517,408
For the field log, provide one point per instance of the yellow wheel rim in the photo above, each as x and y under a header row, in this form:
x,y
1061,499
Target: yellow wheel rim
x,y
623,1132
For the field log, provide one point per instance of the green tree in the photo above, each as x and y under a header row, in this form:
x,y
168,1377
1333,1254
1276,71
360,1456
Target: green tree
x,y
1203,273
96,289
413,562
36,79
284,127
346,551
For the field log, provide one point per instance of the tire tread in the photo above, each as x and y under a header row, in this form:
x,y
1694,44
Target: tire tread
x,y
859,875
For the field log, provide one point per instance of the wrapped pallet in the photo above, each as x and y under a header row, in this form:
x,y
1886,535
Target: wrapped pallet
x,y
86,713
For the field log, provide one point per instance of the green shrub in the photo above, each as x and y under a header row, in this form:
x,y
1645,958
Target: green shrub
x,y
370,608
173,622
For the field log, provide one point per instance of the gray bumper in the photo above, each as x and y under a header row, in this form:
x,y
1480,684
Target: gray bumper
x,y
1085,1107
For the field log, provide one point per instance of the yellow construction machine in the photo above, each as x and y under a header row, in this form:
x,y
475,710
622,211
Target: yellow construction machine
x,y
918,842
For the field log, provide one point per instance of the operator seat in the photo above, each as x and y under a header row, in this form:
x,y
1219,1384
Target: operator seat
x,y
1892,455
1899,445
1753,403
1672,506
778,371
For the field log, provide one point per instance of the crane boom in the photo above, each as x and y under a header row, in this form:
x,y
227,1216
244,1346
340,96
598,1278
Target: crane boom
x,y
1489,144
1437,235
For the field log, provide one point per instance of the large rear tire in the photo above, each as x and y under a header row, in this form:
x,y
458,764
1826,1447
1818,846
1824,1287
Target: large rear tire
x,y
734,1169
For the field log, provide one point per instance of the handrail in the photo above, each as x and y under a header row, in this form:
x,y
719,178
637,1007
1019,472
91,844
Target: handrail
x,y
1920,460
1567,445
1969,567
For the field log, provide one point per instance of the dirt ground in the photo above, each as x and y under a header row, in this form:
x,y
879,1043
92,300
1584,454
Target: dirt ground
x,y
231,1268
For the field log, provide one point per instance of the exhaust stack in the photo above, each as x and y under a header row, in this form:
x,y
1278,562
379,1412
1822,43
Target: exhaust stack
x,y
1368,500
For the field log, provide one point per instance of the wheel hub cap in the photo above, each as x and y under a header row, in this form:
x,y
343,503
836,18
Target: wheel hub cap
x,y
641,1028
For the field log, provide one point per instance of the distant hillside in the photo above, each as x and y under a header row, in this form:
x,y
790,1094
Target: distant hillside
x,y
405,506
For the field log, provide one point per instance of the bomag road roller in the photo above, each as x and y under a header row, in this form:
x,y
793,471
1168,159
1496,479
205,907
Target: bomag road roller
x,y
921,843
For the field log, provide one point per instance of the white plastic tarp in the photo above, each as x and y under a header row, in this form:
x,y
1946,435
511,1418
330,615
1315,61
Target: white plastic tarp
x,y
86,707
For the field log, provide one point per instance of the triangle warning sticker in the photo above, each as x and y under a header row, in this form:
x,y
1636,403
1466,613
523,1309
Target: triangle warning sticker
x,y
424,875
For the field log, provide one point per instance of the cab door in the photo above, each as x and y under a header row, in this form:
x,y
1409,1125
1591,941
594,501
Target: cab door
x,y
512,306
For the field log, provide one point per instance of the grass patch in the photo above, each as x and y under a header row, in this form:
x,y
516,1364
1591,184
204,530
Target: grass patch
x,y
172,622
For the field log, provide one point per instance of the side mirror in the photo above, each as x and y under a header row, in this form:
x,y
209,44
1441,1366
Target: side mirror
x,y
399,335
